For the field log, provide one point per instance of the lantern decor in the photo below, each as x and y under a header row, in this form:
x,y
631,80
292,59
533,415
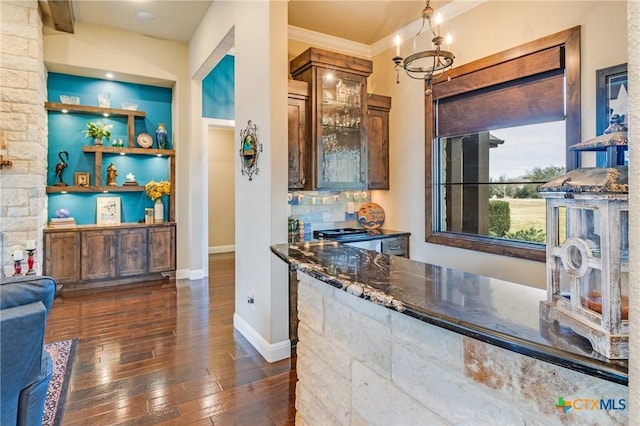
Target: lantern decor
x,y
588,246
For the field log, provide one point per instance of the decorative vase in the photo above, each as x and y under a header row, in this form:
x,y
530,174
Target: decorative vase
x,y
98,141
161,136
158,208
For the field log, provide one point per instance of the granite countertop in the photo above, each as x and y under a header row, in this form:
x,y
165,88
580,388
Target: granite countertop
x,y
498,312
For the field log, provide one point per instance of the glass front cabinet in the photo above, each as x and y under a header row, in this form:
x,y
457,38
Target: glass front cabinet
x,y
338,115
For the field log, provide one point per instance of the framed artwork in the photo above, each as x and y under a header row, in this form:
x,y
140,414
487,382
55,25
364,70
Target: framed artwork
x,y
108,210
82,179
611,96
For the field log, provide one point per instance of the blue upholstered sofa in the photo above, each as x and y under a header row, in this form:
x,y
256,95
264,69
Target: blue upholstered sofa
x,y
25,366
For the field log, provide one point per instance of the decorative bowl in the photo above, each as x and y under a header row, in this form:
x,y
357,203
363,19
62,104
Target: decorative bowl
x,y
71,100
129,106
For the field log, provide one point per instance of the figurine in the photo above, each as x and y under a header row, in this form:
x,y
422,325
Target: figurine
x,y
59,170
111,175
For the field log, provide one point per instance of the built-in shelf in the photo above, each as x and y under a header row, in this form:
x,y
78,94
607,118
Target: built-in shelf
x,y
86,109
99,151
94,189
131,115
120,150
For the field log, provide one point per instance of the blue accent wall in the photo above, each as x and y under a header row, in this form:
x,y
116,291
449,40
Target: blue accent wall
x,y
218,91
65,134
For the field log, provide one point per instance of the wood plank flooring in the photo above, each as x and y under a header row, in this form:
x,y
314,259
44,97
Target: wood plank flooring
x,y
169,355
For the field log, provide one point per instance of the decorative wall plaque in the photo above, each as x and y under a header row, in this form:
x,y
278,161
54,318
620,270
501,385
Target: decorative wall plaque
x,y
250,148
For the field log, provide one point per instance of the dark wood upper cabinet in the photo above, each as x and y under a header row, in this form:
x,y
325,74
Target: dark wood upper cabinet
x,y
378,108
298,160
346,131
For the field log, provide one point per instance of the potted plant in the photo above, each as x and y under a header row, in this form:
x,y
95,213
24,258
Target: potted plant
x,y
98,131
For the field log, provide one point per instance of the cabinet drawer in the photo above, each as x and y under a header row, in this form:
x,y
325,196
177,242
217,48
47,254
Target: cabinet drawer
x,y
396,246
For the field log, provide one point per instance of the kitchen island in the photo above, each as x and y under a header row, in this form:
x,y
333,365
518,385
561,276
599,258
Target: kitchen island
x,y
388,340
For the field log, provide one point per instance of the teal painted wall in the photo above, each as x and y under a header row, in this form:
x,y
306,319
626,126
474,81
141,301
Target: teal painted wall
x,y
65,134
218,91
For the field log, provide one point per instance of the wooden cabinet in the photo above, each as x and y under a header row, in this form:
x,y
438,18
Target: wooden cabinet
x,y
346,131
336,114
298,159
131,251
378,108
91,256
62,256
161,255
98,250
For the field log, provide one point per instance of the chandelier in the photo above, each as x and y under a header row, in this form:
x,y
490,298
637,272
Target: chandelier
x,y
428,65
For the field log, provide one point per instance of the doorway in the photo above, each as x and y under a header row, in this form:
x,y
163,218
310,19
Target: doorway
x,y
221,186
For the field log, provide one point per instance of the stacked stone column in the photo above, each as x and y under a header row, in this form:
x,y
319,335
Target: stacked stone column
x,y
23,130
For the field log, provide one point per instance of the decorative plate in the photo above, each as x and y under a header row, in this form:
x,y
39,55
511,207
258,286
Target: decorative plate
x,y
371,215
145,140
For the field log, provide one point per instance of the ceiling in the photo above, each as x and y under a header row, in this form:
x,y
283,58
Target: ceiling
x,y
363,21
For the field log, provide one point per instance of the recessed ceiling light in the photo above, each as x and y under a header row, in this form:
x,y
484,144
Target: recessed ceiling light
x,y
109,75
145,16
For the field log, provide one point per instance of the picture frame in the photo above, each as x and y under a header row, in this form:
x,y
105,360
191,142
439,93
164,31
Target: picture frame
x,y
611,96
82,179
108,210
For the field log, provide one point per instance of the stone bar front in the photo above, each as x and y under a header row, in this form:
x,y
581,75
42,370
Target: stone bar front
x,y
387,340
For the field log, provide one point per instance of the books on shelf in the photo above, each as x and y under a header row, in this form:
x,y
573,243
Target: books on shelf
x,y
62,222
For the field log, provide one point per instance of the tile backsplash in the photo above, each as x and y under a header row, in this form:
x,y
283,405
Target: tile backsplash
x,y
326,209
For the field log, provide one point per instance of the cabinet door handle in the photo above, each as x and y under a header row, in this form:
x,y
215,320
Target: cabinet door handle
x,y
394,247
303,180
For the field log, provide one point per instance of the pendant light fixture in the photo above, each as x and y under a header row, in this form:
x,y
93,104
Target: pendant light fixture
x,y
427,65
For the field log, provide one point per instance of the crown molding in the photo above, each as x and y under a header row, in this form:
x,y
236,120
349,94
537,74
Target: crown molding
x,y
329,42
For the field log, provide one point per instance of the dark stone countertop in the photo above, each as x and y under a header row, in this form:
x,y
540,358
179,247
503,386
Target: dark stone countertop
x,y
498,312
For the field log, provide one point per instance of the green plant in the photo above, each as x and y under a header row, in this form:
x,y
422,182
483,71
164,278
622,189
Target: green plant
x,y
499,217
98,130
530,234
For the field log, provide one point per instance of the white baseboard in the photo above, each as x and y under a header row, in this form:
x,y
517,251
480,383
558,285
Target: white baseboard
x,y
272,352
222,249
187,274
182,274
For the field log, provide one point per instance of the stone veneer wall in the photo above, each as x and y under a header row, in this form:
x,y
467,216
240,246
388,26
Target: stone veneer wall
x,y
23,130
359,363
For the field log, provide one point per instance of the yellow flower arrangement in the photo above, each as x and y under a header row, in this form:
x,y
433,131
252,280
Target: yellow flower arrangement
x,y
155,190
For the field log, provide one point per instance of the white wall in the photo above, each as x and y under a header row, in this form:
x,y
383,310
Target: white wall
x,y
222,156
489,28
258,32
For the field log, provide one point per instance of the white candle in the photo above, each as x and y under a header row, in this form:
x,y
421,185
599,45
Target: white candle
x,y
17,255
438,22
397,44
31,244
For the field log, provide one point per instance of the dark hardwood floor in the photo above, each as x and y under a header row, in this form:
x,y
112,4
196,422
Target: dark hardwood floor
x,y
163,354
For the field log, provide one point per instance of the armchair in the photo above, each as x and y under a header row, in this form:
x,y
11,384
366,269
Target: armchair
x,y
25,367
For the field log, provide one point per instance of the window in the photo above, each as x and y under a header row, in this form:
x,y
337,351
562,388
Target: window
x,y
500,127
